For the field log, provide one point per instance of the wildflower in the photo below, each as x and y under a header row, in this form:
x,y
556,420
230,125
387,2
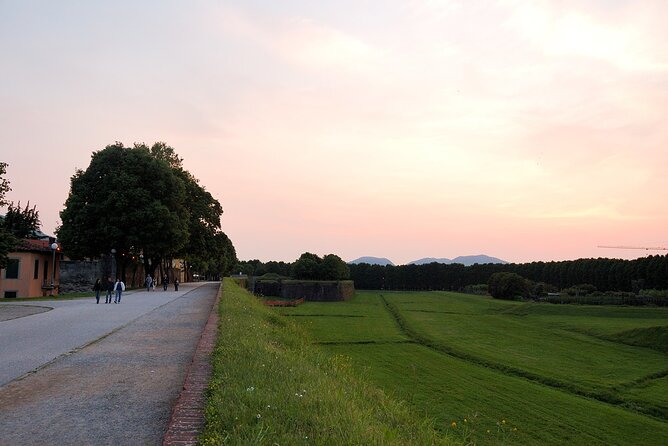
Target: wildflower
x,y
465,420
503,421
514,429
488,431
453,424
250,389
259,416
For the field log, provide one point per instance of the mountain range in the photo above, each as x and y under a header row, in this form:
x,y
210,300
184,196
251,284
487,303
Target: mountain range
x,y
464,260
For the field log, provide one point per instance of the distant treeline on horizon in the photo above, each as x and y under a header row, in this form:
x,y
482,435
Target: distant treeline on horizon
x,y
605,274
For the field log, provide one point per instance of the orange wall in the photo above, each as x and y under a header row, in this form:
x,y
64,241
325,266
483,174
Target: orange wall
x,y
26,285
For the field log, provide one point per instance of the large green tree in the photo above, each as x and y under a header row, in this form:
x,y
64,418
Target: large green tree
x,y
127,200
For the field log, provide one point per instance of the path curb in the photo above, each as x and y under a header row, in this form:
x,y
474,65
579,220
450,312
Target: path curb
x,y
187,420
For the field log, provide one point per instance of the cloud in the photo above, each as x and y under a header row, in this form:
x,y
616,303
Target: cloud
x,y
564,30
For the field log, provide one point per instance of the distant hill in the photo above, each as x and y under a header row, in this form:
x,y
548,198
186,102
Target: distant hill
x,y
372,261
428,260
464,260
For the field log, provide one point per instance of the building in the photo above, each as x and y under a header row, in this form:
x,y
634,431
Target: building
x,y
30,271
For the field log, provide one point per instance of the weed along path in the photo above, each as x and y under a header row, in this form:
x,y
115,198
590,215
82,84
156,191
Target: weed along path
x,y
118,389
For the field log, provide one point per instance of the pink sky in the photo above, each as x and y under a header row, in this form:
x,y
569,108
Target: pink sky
x,y
522,129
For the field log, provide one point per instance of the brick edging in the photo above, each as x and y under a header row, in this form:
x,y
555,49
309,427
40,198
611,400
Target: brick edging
x,y
187,420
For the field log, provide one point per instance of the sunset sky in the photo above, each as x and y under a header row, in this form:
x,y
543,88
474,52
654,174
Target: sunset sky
x,y
521,129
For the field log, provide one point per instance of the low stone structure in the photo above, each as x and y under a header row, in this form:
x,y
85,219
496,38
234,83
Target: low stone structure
x,y
310,290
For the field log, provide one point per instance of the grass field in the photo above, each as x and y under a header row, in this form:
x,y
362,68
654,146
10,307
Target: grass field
x,y
270,386
555,374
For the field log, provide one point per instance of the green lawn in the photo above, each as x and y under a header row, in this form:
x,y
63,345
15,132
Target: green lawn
x,y
481,352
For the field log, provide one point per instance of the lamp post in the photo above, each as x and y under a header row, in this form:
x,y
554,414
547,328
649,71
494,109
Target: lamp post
x,y
113,264
54,248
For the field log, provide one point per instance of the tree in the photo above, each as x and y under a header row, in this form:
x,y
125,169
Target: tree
x,y
333,268
127,200
7,240
306,266
22,223
508,286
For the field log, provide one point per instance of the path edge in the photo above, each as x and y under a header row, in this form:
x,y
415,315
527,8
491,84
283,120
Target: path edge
x,y
187,419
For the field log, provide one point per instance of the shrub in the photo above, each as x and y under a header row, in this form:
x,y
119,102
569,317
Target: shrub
x,y
508,286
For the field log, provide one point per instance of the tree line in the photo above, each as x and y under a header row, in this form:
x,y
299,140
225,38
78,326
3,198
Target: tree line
x,y
604,274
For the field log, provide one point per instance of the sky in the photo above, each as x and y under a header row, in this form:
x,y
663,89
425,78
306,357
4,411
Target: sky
x,y
522,129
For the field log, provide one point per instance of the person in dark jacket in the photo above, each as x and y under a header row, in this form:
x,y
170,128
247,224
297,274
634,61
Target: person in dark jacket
x,y
176,284
110,290
97,287
165,282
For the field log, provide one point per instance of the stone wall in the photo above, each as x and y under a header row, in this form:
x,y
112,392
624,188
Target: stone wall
x,y
310,290
80,275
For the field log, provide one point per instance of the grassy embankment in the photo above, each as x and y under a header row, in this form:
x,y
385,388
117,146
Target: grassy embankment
x,y
271,386
557,374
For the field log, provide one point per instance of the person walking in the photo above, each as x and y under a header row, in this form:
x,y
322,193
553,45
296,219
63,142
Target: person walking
x,y
110,290
165,282
148,282
119,287
176,284
97,287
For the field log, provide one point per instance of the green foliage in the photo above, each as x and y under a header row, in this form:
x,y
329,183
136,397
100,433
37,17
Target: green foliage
x,y
4,183
7,241
508,286
127,200
528,364
140,200
21,223
580,290
312,267
270,386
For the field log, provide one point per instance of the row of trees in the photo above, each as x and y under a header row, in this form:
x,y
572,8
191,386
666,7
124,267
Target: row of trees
x,y
307,267
17,223
140,203
604,274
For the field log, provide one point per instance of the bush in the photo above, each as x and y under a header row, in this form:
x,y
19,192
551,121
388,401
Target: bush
x,y
508,286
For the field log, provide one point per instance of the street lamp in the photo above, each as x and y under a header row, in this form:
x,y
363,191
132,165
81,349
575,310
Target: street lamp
x,y
54,248
113,263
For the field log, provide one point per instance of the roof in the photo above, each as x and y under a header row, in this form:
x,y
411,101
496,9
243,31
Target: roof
x,y
31,245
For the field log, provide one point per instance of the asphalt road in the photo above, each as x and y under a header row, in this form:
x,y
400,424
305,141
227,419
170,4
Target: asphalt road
x,y
32,341
86,373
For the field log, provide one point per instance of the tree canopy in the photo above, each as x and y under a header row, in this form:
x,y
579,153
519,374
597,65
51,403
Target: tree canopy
x,y
312,267
139,201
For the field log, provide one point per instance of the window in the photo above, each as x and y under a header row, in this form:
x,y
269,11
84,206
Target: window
x,y
10,294
12,271
36,272
46,270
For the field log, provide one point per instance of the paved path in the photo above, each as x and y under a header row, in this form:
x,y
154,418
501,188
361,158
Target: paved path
x,y
118,385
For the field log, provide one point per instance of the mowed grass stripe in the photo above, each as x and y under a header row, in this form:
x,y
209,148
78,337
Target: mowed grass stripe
x,y
520,346
449,389
543,415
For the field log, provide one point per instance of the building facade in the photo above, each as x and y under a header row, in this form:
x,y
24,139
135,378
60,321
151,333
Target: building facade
x,y
30,271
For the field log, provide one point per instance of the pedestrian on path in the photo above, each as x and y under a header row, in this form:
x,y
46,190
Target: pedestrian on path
x,y
176,284
165,282
148,282
110,290
119,287
97,287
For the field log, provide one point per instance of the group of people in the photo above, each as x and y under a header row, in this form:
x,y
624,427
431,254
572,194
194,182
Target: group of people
x,y
150,283
115,289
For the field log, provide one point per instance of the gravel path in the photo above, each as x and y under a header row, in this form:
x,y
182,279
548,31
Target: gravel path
x,y
118,390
